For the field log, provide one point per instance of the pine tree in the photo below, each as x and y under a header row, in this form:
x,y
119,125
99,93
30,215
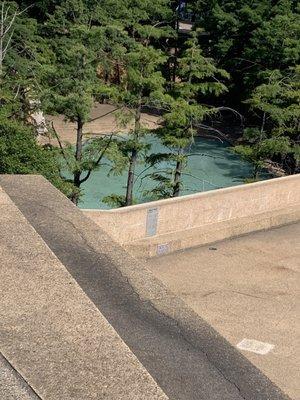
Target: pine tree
x,y
142,83
197,77
23,55
81,51
246,37
278,103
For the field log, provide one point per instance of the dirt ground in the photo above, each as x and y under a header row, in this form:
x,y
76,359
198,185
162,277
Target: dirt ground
x,y
103,121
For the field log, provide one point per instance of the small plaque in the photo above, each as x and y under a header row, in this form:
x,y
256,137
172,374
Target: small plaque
x,y
163,249
255,346
151,225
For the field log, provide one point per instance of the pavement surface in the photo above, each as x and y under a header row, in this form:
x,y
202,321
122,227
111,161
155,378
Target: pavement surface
x,y
186,357
246,288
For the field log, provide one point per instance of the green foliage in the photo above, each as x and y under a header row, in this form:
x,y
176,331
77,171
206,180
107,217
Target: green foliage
x,y
142,19
248,36
23,61
65,56
20,154
142,85
278,102
279,99
164,184
115,200
100,151
71,80
143,82
197,78
258,43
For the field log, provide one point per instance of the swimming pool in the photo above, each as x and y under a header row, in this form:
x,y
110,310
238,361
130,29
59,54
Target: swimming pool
x,y
218,168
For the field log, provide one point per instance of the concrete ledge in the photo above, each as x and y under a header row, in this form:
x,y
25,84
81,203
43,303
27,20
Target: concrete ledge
x,y
202,218
50,331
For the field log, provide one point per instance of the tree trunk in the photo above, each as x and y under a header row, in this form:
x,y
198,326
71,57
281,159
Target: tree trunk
x,y
1,39
78,157
130,180
133,156
6,30
1,56
176,50
256,172
177,179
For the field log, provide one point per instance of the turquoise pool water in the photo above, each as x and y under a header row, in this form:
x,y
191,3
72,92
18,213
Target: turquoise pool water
x,y
214,167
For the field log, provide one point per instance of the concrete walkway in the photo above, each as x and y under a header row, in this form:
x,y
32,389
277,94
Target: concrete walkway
x,y
187,358
246,287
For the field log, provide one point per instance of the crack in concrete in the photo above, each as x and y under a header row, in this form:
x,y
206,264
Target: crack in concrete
x,y
187,340
148,301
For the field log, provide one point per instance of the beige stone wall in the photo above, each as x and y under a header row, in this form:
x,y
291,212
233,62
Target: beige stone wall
x,y
204,217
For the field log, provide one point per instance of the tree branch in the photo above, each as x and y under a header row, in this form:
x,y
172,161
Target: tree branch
x,y
104,115
233,111
60,145
98,160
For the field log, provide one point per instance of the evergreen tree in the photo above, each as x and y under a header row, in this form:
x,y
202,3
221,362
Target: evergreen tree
x,y
277,102
246,37
23,57
142,83
197,77
81,51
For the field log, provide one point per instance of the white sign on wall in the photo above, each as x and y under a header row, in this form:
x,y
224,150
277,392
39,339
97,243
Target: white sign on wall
x,y
151,224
